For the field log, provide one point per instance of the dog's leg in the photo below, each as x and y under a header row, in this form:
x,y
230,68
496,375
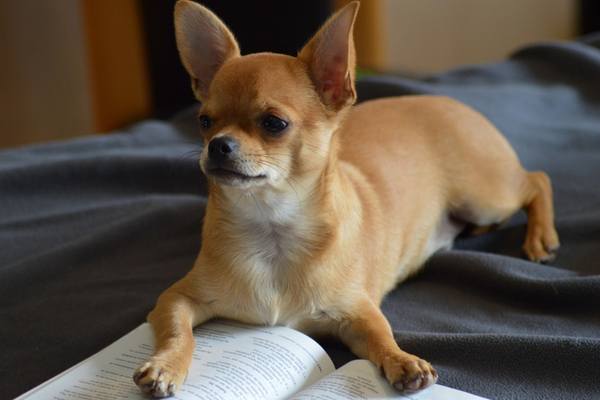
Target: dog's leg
x,y
369,335
172,320
492,199
541,241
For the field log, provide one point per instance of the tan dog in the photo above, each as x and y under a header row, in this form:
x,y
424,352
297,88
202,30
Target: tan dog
x,y
318,209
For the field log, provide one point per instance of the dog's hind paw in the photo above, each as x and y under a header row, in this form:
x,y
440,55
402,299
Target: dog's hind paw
x,y
541,245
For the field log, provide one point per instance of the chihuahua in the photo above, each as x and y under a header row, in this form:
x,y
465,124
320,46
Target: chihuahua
x,y
318,208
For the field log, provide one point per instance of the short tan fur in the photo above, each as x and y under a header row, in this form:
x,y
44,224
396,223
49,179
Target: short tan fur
x,y
311,225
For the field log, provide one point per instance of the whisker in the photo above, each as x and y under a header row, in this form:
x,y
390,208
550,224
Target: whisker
x,y
256,202
239,199
288,180
190,153
271,155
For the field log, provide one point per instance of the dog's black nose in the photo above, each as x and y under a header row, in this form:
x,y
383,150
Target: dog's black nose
x,y
223,148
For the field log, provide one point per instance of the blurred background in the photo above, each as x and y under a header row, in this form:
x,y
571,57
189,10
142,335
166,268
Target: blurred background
x,y
75,67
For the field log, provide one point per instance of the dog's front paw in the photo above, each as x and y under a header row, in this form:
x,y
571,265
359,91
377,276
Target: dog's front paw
x,y
408,373
158,379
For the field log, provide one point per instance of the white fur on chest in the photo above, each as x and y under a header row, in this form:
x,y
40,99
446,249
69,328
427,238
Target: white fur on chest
x,y
272,232
270,239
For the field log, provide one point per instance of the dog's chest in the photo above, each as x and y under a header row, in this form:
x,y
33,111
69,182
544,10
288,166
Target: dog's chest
x,y
272,247
266,298
269,296
268,286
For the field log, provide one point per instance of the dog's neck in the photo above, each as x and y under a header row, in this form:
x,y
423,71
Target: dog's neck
x,y
293,222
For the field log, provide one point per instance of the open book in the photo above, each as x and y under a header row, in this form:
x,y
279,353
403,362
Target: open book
x,y
233,361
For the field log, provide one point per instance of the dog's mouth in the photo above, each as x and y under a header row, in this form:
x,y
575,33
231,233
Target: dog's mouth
x,y
231,176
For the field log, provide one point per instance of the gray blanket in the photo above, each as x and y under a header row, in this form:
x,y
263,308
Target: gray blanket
x,y
92,230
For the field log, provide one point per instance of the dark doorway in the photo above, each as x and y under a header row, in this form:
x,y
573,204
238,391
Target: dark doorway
x,y
260,25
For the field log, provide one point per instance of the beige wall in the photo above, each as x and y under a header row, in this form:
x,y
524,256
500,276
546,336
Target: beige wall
x,y
44,89
433,35
70,68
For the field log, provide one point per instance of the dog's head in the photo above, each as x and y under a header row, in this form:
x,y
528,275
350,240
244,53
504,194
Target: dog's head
x,y
266,118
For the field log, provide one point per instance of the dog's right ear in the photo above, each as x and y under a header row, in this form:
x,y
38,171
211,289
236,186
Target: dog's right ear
x,y
204,44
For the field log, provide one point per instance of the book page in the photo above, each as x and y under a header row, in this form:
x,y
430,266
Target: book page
x,y
360,379
231,361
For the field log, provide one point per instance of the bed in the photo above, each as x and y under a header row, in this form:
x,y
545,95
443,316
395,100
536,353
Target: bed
x,y
92,230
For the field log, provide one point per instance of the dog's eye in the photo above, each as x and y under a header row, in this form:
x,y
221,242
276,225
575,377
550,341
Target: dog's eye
x,y
205,122
273,125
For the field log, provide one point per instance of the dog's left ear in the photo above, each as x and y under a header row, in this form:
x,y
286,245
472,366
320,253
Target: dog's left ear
x,y
331,59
